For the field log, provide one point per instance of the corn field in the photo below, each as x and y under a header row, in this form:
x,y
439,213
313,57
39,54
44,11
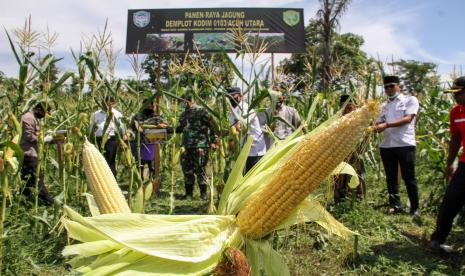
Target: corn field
x,y
33,235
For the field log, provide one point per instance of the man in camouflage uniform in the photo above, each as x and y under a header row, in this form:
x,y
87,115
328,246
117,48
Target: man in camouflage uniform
x,y
196,126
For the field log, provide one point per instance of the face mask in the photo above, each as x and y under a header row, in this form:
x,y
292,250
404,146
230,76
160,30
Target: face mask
x,y
393,96
147,111
183,105
279,105
39,113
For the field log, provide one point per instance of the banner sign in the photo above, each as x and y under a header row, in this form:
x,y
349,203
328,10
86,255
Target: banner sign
x,y
210,30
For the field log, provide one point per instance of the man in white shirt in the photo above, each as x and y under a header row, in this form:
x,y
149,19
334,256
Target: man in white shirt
x,y
397,123
242,114
99,124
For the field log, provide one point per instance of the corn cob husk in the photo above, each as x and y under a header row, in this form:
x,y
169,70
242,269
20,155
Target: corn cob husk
x,y
303,171
68,148
102,182
9,151
8,155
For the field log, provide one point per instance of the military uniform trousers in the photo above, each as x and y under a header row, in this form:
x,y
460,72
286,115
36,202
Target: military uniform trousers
x,y
194,162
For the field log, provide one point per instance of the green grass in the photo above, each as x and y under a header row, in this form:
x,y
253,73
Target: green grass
x,y
387,245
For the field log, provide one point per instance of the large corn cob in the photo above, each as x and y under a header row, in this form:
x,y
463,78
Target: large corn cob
x,y
302,172
102,183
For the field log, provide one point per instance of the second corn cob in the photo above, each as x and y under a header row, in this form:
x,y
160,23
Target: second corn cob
x,y
102,183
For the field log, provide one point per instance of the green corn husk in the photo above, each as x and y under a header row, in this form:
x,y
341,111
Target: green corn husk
x,y
139,244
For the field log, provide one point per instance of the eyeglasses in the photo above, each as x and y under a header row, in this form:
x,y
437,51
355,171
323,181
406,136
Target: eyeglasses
x,y
389,86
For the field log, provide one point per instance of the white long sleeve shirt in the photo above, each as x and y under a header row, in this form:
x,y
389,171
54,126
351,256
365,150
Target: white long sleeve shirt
x,y
394,110
250,117
99,118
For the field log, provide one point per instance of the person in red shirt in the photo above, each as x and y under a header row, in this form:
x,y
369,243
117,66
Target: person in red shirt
x,y
454,198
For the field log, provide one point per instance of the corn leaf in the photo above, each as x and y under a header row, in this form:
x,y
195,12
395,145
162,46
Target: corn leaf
x,y
92,204
131,244
157,266
260,254
316,100
40,68
139,200
188,238
311,210
13,48
345,168
82,233
80,261
241,195
109,263
235,177
148,191
91,248
253,257
236,70
60,82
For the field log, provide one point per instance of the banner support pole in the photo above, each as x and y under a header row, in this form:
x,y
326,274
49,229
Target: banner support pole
x,y
156,183
272,70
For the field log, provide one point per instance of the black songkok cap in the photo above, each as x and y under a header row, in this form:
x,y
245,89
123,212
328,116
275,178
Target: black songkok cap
x,y
391,80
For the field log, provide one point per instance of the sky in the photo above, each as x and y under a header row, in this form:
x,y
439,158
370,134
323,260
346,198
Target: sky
x,y
423,30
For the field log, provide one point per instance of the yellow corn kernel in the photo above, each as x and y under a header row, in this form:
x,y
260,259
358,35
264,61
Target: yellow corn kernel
x,y
302,173
102,182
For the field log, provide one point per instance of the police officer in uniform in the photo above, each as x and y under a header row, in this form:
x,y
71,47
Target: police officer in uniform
x,y
199,135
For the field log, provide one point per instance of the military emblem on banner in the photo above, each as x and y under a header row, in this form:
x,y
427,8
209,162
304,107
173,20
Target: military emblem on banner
x,y
291,17
141,18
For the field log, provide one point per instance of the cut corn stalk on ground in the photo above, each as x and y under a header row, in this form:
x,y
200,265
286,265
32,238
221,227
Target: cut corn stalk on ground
x,y
272,196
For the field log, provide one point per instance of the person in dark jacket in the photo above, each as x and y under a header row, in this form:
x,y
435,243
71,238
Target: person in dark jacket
x,y
146,116
30,144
